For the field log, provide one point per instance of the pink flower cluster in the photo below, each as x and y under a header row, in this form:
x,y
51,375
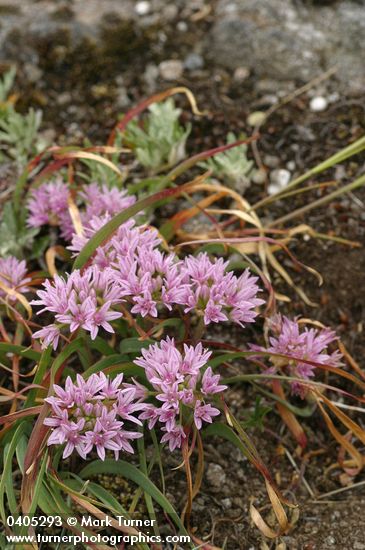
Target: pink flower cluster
x,y
216,294
91,414
309,344
48,204
151,279
80,301
127,245
155,279
100,200
131,266
181,385
13,274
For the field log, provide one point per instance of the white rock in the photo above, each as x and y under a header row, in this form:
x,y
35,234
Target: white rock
x,y
193,62
280,178
216,476
227,503
241,73
318,103
151,75
182,26
143,7
171,69
256,118
259,176
271,161
332,98
273,188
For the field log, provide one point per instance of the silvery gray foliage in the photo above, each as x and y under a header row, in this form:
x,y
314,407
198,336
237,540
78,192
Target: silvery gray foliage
x,y
231,166
160,141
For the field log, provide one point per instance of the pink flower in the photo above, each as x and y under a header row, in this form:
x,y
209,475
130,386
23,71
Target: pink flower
x,y
48,203
219,295
100,200
101,318
90,414
298,343
79,301
49,335
181,385
210,383
127,406
13,274
150,413
204,412
174,437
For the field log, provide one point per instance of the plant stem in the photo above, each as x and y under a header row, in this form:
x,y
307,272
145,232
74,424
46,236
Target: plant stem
x,y
320,202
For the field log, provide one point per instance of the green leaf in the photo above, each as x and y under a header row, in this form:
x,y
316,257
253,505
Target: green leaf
x,y
37,488
15,236
161,141
9,451
22,351
102,346
224,431
44,362
256,420
147,496
129,471
232,165
6,83
224,357
70,349
114,366
133,345
21,449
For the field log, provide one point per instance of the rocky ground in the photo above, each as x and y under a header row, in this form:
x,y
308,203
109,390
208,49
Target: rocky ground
x,y
85,64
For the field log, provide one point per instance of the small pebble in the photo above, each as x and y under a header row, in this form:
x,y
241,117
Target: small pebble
x,y
259,176
150,75
280,177
332,98
171,69
170,12
193,62
318,104
273,188
227,503
271,161
33,72
256,118
182,26
143,7
63,98
241,73
122,99
216,476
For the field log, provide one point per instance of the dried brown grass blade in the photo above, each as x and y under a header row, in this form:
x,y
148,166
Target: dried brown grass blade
x,y
52,253
11,292
342,440
75,216
351,360
121,126
288,417
279,512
